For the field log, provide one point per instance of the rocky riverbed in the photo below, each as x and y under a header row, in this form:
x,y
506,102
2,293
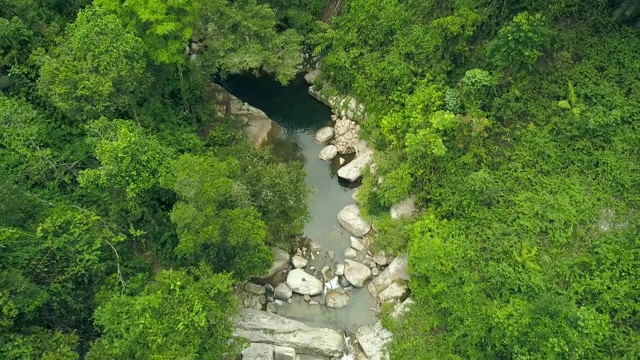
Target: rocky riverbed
x,y
322,300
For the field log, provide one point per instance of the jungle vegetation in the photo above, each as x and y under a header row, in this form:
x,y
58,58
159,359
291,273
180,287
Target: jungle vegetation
x,y
124,226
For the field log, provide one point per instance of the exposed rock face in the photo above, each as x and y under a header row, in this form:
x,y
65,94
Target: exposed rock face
x,y
311,76
282,292
337,298
258,126
325,134
263,327
373,340
394,292
280,262
303,283
298,261
356,244
395,272
353,170
258,351
345,106
406,208
349,218
356,273
328,152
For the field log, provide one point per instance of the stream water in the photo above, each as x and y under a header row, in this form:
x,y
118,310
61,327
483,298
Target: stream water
x,y
300,116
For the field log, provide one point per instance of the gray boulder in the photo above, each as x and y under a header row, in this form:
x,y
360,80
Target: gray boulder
x,y
356,244
302,283
282,292
328,152
337,298
353,170
394,292
349,218
280,262
395,272
311,76
263,327
325,134
284,353
356,273
298,261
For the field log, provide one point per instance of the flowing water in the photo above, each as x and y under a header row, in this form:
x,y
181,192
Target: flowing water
x,y
300,116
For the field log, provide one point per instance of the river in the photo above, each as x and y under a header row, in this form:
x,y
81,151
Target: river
x,y
299,117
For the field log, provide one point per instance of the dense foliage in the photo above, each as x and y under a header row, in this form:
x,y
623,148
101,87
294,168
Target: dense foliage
x,y
122,232
516,126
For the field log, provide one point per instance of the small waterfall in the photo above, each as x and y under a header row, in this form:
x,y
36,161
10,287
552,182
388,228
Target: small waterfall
x,y
348,347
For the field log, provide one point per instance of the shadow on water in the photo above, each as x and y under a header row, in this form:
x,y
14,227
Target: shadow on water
x,y
300,116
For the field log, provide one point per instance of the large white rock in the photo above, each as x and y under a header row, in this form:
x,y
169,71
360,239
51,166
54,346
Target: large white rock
x,y
394,292
353,170
257,351
298,261
395,272
282,292
325,134
373,340
349,218
302,283
328,152
337,298
264,327
404,209
356,273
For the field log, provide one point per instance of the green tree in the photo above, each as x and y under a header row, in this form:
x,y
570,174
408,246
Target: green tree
x,y
96,69
214,217
177,315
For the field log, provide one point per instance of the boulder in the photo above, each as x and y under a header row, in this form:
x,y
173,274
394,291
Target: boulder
x,y
337,298
254,288
283,292
258,351
349,218
340,269
356,244
298,261
325,134
394,292
280,262
343,282
328,152
395,272
350,253
302,283
406,208
380,258
353,170
314,246
284,353
357,273
373,340
263,327
271,307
